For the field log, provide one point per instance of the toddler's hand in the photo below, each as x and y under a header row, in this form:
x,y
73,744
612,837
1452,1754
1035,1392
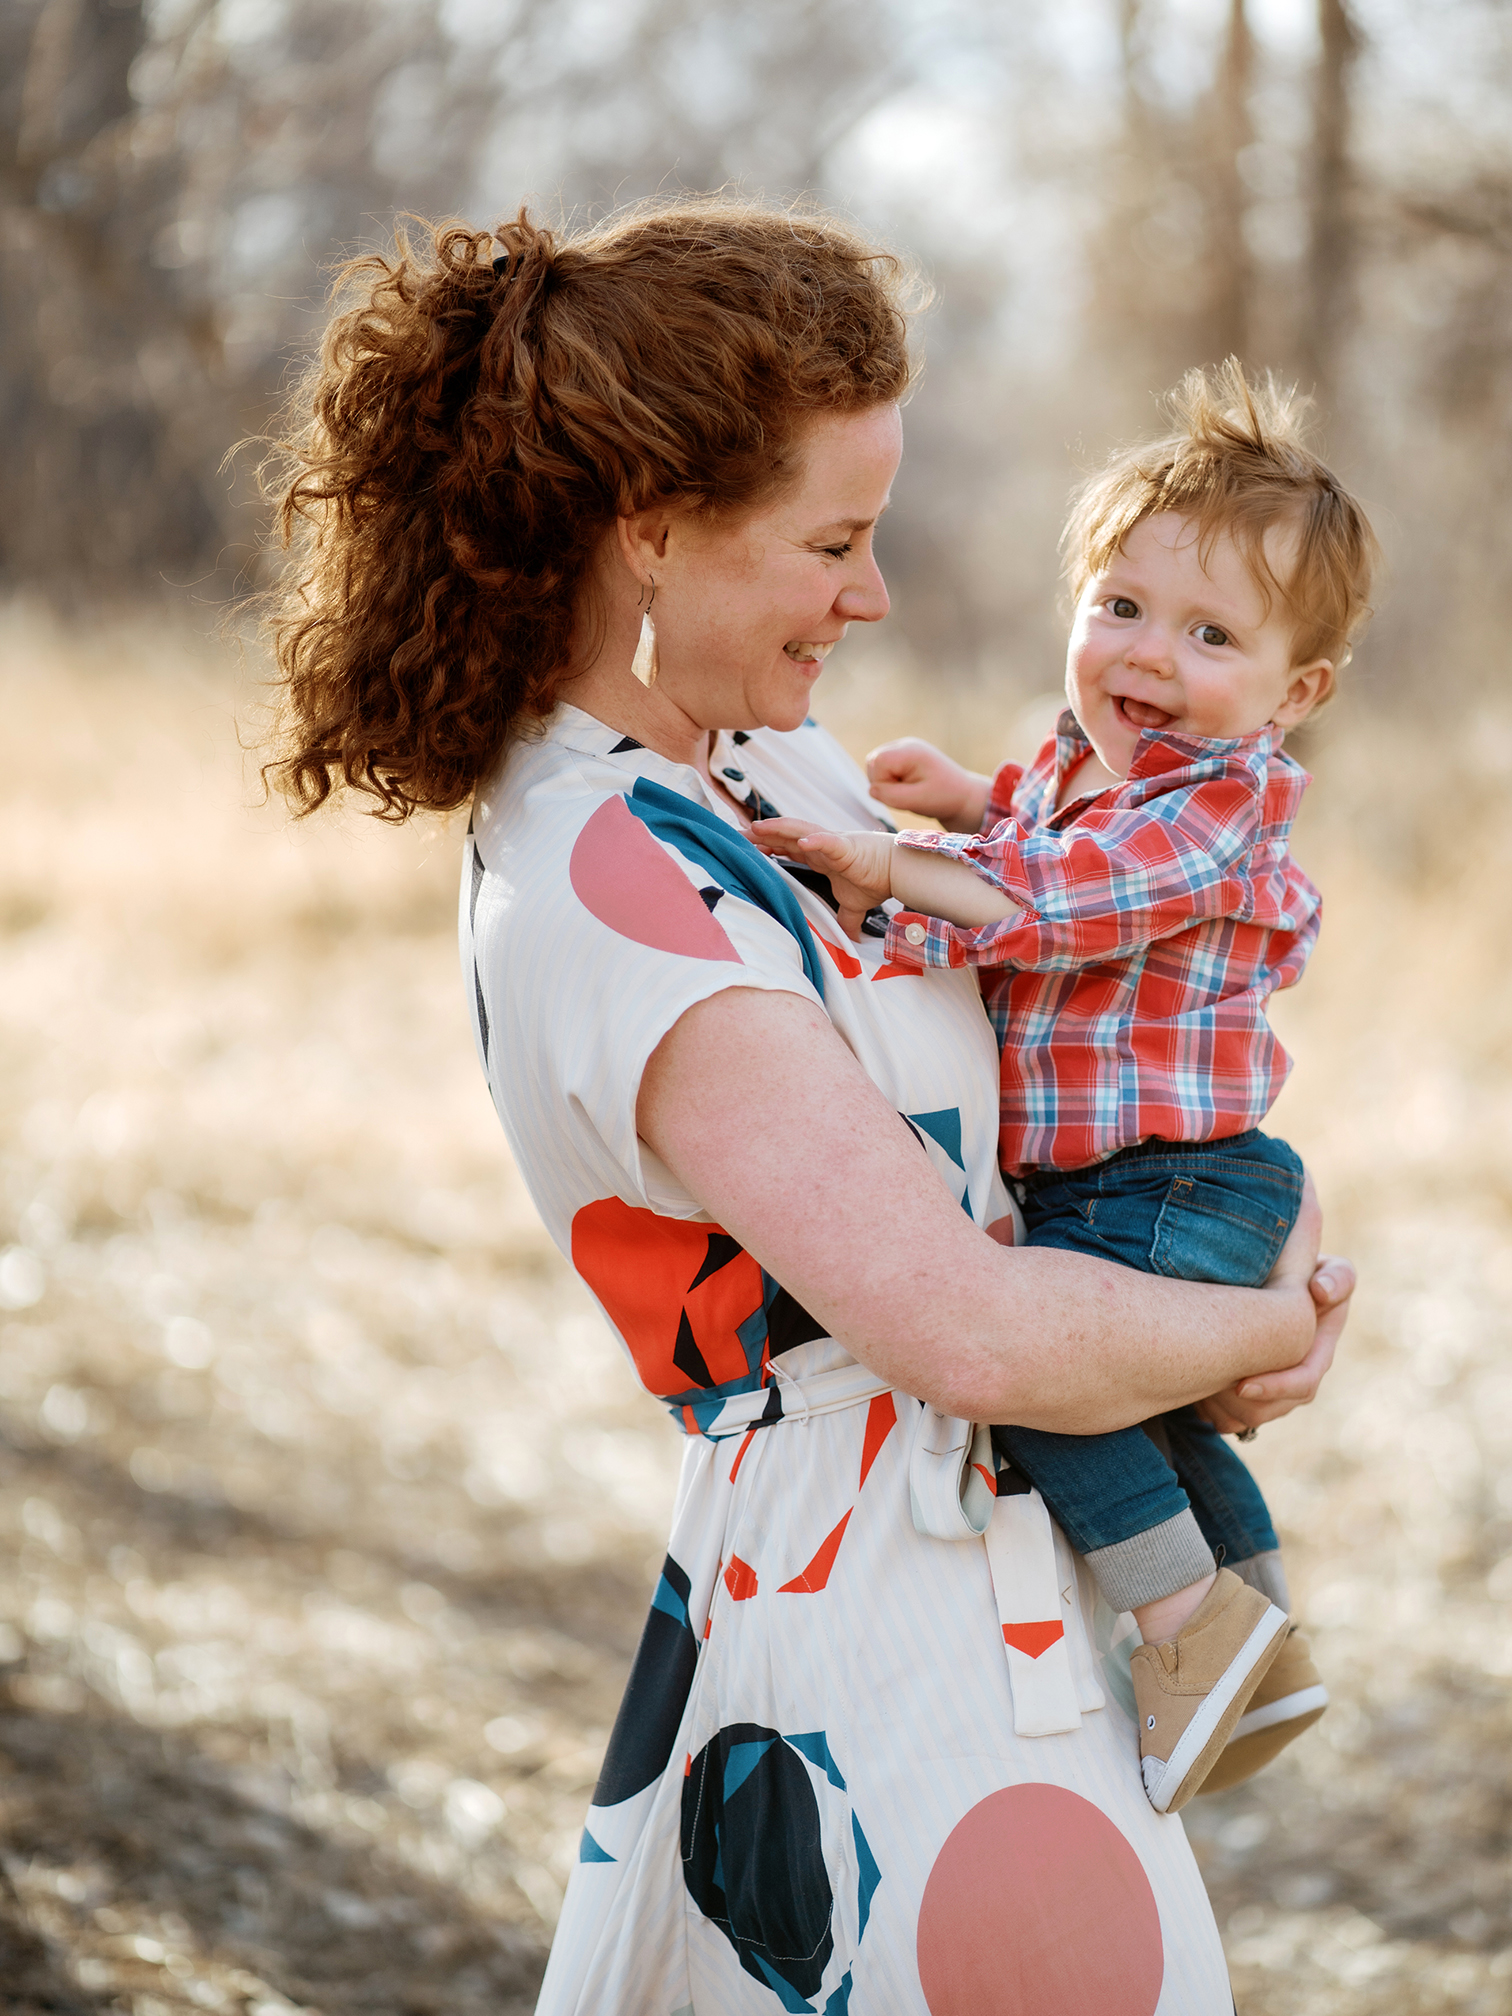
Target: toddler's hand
x,y
914,776
859,865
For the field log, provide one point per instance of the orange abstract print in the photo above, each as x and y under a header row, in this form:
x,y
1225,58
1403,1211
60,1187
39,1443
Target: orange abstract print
x,y
679,1294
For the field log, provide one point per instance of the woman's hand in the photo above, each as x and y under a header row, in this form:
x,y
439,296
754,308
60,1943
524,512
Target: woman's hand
x,y
914,776
1330,1281
859,865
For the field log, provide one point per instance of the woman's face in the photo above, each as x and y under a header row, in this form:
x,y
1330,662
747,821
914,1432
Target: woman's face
x,y
747,611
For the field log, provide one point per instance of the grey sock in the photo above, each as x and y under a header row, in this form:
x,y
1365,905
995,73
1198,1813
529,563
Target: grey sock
x,y
1153,1564
1266,1573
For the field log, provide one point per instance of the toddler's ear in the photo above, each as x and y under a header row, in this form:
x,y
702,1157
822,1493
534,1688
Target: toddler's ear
x,y
1309,686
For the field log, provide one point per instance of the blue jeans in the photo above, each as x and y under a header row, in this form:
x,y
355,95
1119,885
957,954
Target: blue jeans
x,y
1201,1211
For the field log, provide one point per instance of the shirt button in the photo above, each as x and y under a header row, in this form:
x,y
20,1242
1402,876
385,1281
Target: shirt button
x,y
915,933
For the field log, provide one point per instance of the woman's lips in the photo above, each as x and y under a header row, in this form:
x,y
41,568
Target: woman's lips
x,y
1139,713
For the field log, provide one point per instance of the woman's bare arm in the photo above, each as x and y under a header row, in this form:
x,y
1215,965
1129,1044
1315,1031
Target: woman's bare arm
x,y
756,1105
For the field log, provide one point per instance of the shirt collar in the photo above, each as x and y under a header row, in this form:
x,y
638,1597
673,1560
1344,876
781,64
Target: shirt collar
x,y
1156,746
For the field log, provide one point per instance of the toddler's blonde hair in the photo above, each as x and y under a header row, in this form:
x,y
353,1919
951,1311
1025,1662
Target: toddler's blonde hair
x,y
1237,462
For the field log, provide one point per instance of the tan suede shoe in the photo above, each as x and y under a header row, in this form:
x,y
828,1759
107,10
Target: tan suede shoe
x,y
1192,1689
1289,1699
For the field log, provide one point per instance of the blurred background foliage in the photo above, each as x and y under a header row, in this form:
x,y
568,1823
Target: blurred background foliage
x,y
1102,192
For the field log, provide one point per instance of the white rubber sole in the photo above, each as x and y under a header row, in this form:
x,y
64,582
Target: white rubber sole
x,y
1290,1708
1164,1778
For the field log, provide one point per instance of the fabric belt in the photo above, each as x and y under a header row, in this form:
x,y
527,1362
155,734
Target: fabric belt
x,y
952,1490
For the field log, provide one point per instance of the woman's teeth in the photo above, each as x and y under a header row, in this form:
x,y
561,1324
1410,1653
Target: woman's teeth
x,y
805,654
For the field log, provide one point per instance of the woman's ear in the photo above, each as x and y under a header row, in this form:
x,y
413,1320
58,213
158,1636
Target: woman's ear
x,y
1309,687
642,540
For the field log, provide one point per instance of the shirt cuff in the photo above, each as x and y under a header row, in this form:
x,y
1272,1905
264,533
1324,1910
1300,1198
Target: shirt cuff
x,y
919,941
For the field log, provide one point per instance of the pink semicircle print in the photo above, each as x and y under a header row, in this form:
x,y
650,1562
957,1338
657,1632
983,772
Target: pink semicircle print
x,y
1038,1906
629,882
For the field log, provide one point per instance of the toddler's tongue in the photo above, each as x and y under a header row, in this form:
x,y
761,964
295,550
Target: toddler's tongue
x,y
1139,715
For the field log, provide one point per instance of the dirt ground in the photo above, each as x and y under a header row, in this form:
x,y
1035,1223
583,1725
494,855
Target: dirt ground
x,y
329,1513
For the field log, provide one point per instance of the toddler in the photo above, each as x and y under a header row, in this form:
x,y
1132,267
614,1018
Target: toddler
x,y
1130,904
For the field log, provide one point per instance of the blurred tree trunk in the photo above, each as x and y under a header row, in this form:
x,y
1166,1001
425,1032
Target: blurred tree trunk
x,y
104,387
1331,246
1232,133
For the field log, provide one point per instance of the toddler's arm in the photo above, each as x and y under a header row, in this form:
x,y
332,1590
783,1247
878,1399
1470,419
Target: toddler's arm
x,y
914,776
864,869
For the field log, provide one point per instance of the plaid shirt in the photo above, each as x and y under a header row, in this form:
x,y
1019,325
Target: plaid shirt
x,y
1128,994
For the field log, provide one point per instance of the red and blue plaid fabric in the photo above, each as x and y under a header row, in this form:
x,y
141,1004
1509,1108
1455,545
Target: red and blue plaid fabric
x,y
1128,993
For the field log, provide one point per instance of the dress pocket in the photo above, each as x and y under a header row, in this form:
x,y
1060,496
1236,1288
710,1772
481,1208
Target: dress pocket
x,y
1207,1232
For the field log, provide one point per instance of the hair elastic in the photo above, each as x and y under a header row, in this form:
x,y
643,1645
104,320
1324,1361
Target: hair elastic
x,y
501,266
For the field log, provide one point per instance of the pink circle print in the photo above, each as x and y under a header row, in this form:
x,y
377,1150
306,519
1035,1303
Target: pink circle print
x,y
1037,1906
631,883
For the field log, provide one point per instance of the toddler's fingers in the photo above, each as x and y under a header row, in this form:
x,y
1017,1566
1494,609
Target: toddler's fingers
x,y
828,848
894,759
905,795
780,836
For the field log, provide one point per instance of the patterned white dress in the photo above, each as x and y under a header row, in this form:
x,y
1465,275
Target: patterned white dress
x,y
876,1754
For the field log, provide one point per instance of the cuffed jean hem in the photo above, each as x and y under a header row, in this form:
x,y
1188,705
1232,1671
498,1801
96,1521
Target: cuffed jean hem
x,y
1265,1573
1155,1563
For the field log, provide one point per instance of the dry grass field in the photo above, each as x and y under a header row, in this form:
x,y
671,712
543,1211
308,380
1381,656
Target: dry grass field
x,y
329,1512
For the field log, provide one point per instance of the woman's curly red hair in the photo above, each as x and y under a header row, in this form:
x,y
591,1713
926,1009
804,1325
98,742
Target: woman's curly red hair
x,y
473,427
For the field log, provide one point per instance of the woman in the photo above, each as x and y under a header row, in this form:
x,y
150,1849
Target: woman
x,y
875,1752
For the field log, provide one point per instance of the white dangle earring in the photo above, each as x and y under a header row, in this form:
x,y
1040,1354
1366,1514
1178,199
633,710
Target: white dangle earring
x,y
645,664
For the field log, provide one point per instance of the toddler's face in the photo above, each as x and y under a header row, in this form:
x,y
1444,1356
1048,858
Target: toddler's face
x,y
1162,641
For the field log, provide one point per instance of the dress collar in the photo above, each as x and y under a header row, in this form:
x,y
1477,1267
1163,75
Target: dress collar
x,y
586,735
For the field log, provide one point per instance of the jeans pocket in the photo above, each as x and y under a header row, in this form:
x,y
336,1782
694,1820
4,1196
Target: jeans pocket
x,y
1206,1232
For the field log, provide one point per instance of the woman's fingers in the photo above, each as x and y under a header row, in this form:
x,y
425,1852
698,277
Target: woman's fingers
x,y
1223,1418
1266,1397
1255,1401
1332,1284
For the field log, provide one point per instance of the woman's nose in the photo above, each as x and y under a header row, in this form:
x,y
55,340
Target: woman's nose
x,y
864,600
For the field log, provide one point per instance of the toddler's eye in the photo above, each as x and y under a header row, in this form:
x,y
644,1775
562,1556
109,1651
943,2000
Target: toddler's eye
x,y
1122,606
1211,634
